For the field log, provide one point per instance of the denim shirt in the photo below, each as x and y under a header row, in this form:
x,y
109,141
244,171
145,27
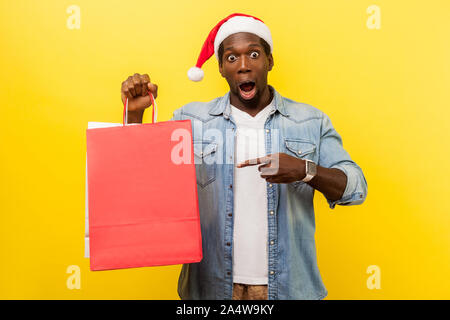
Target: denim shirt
x,y
298,129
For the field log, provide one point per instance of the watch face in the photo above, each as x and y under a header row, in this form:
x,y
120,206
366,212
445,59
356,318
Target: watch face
x,y
311,168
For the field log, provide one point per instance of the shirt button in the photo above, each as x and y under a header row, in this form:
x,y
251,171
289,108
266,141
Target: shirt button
x,y
228,244
272,242
271,213
230,214
228,273
231,186
267,130
270,185
272,272
299,151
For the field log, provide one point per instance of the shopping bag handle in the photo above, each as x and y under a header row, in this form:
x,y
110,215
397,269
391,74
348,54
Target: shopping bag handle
x,y
154,110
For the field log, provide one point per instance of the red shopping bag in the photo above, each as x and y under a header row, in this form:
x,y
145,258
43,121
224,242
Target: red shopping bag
x,y
143,206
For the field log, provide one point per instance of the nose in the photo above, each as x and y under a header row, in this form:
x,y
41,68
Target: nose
x,y
244,65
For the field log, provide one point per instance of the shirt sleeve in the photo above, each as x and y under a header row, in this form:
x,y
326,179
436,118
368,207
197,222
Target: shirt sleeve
x,y
176,115
333,155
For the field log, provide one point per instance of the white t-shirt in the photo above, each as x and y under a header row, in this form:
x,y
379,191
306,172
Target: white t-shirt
x,y
250,200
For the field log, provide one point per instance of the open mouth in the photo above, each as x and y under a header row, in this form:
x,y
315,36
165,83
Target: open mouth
x,y
247,90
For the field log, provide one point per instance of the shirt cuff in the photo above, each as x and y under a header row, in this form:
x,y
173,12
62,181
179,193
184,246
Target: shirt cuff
x,y
354,193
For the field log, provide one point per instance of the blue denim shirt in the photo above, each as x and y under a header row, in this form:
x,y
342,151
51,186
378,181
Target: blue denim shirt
x,y
297,129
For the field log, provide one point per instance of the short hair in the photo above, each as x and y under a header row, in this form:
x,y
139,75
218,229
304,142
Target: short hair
x,y
263,43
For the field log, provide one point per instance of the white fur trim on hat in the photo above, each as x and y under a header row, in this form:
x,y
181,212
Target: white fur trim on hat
x,y
242,24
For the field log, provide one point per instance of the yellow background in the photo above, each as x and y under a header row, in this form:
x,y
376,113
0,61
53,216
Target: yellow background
x,y
386,92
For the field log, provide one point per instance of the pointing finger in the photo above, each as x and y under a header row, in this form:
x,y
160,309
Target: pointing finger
x,y
253,162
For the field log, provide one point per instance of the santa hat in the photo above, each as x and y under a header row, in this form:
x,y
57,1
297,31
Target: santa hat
x,y
234,23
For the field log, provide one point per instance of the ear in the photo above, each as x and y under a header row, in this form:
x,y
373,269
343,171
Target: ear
x,y
221,70
270,57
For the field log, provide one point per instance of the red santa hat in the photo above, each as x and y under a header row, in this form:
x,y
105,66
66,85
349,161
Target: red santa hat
x,y
234,23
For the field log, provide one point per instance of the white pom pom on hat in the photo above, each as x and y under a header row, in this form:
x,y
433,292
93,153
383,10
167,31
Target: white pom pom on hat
x,y
234,23
195,74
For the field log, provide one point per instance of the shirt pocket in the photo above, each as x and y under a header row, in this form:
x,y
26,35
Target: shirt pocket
x,y
303,149
300,148
205,162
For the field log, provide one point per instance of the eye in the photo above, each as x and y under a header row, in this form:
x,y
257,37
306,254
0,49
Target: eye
x,y
231,56
254,54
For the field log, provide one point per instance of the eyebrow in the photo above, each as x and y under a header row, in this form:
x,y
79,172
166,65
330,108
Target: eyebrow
x,y
250,45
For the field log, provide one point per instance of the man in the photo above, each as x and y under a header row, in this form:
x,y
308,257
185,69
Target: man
x,y
262,156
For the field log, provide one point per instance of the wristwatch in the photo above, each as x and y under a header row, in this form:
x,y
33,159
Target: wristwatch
x,y
311,170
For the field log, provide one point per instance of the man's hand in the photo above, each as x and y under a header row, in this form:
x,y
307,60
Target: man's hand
x,y
283,168
278,167
136,89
